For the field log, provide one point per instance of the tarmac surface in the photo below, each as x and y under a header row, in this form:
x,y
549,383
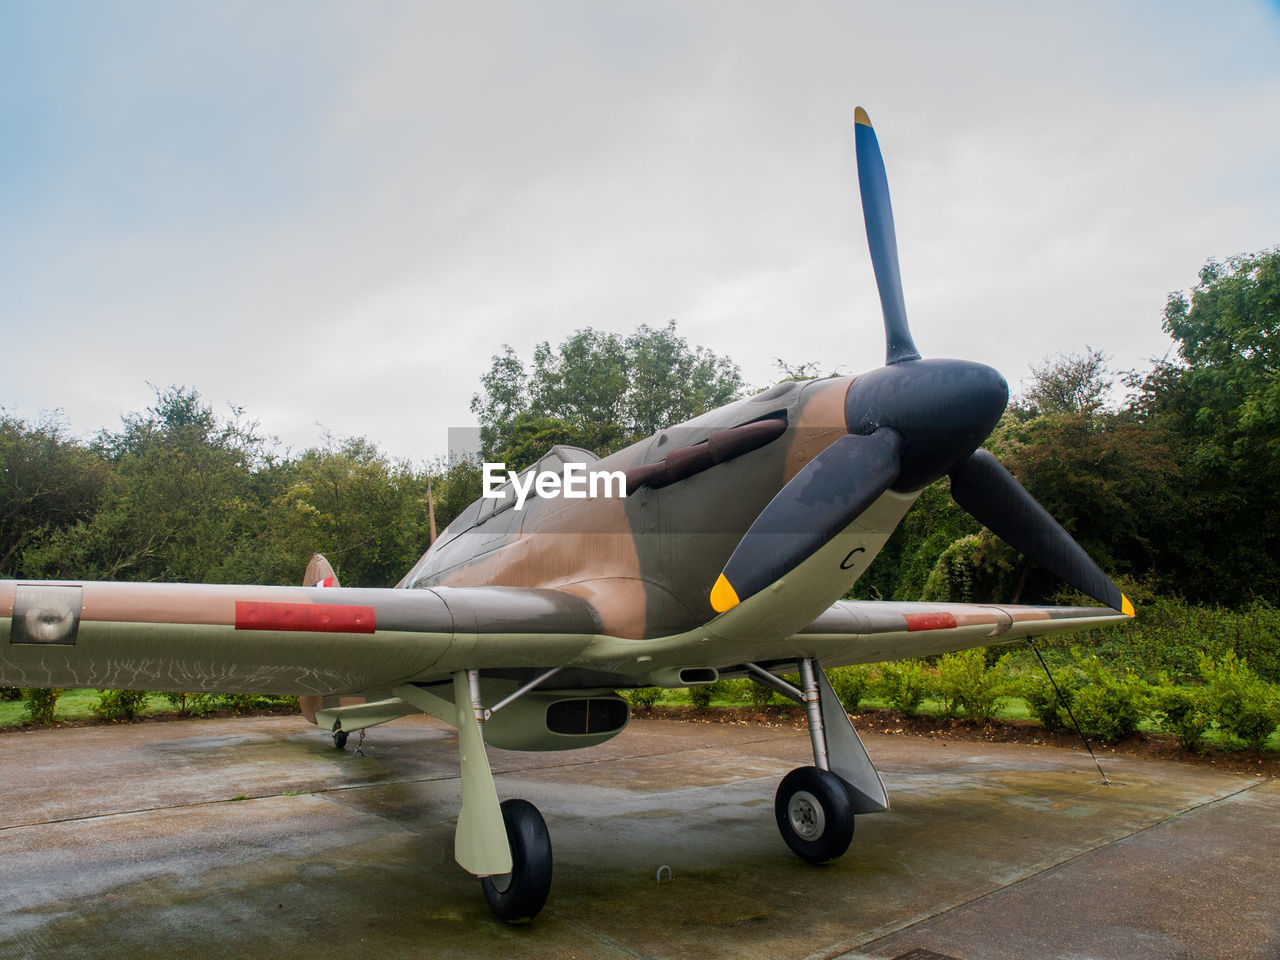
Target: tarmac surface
x,y
255,838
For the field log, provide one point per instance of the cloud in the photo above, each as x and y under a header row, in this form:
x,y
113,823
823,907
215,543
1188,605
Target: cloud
x,y
337,214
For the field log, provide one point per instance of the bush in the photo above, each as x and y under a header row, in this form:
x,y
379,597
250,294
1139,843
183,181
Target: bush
x,y
1107,705
1170,635
701,696
1241,703
735,691
905,684
1043,700
759,696
643,696
1181,712
199,704
41,702
193,704
851,685
965,682
10,694
1256,720
120,704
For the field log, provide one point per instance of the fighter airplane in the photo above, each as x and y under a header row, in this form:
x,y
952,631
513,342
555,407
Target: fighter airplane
x,y
727,555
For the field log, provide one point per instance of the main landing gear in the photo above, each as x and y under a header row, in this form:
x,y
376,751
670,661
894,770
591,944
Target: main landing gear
x,y
815,806
507,846
814,815
518,896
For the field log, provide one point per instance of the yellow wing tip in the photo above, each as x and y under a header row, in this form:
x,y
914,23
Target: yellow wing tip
x,y
860,116
723,596
1125,606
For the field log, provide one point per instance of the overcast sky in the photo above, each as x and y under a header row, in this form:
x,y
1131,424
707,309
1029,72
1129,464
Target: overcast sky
x,y
335,213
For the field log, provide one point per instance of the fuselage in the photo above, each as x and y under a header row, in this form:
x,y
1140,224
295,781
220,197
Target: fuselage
x,y
646,561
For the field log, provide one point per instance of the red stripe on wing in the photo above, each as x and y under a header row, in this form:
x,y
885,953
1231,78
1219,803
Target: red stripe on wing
x,y
310,617
929,621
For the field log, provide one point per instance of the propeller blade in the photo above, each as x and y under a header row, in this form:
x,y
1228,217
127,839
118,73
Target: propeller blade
x,y
878,214
817,503
991,495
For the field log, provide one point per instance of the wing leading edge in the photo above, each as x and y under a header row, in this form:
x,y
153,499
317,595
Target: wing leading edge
x,y
870,631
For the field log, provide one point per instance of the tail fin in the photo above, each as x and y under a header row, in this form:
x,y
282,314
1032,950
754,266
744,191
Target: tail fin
x,y
319,573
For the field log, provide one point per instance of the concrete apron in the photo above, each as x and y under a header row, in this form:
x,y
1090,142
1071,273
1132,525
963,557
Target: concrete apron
x,y
131,841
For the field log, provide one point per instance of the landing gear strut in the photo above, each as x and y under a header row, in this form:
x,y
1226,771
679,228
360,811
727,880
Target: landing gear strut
x,y
505,844
815,805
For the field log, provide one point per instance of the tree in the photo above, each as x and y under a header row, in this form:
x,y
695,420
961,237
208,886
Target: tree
x,y
455,485
1069,383
598,390
1111,482
48,483
182,501
1228,341
365,512
1220,401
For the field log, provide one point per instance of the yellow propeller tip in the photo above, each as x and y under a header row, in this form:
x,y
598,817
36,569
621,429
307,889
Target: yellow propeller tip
x,y
1125,606
860,116
723,596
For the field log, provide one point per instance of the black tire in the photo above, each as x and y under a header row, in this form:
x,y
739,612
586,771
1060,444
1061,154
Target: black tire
x,y
517,896
814,814
339,739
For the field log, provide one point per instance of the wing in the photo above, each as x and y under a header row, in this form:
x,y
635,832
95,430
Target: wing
x,y
253,639
870,631
309,640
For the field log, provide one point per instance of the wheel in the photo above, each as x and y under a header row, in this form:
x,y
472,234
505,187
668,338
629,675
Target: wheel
x,y
339,739
516,897
814,814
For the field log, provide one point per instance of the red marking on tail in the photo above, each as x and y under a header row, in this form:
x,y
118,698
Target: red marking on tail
x,y
929,621
309,617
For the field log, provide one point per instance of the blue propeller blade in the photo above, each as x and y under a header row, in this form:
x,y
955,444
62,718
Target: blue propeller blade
x,y
878,214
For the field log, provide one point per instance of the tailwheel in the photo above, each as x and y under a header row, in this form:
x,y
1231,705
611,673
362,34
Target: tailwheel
x,y
814,814
516,897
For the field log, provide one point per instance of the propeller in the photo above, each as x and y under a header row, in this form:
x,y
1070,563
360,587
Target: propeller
x,y
910,422
990,494
877,213
820,501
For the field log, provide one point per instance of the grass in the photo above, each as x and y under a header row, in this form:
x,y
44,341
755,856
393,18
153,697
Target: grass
x,y
74,705
78,706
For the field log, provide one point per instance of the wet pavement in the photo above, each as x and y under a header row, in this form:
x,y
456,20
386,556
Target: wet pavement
x,y
255,838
